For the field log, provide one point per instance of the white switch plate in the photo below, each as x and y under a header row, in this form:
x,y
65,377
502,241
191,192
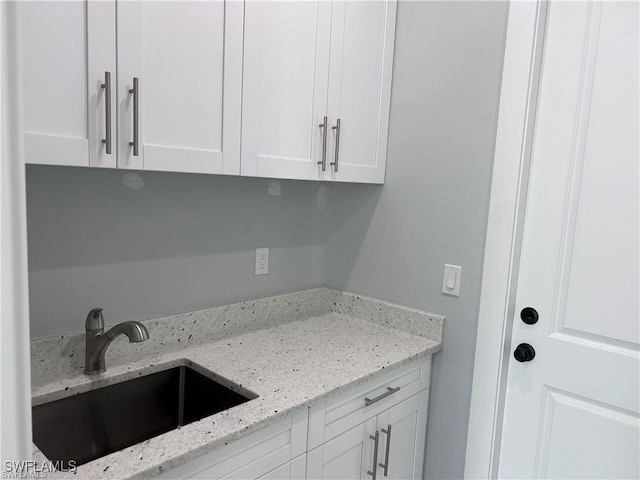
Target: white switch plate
x,y
262,261
451,279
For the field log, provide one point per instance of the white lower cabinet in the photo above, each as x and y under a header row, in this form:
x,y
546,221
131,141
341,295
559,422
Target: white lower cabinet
x,y
390,445
348,455
267,453
293,470
375,430
406,424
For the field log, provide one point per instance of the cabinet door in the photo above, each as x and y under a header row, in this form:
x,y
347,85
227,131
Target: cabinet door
x,y
254,456
65,48
403,439
187,57
286,65
362,41
347,456
293,470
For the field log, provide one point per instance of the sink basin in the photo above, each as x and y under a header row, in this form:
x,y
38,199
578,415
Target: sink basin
x,y
90,425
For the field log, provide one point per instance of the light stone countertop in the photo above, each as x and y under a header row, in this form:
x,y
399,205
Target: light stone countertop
x,y
291,350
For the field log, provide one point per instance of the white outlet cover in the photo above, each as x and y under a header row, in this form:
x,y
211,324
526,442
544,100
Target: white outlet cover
x,y
262,261
451,279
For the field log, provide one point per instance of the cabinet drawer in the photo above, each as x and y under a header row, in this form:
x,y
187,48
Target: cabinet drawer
x,y
251,456
337,414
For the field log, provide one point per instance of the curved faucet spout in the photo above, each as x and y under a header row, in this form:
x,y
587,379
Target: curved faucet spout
x,y
136,331
97,340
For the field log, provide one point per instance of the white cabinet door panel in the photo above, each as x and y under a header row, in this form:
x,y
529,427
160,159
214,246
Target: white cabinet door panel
x,y
348,456
65,50
362,43
187,56
253,456
286,61
283,472
408,422
262,466
293,470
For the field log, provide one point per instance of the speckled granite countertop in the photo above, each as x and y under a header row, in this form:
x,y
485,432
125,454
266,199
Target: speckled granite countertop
x,y
291,350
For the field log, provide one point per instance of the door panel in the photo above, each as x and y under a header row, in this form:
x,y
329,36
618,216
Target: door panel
x,y
261,466
65,49
569,421
284,88
408,421
293,470
177,50
362,42
348,456
573,411
281,473
611,128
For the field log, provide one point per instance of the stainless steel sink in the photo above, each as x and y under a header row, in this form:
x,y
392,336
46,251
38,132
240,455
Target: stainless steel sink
x,y
90,425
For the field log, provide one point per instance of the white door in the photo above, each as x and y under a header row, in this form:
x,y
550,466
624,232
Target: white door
x,y
187,57
65,50
403,430
572,411
286,68
348,456
362,41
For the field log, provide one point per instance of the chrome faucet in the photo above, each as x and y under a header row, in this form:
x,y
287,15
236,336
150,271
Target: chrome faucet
x,y
97,341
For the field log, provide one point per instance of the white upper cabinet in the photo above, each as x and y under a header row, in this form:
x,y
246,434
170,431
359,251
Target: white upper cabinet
x,y
65,48
183,111
273,89
307,61
286,66
362,41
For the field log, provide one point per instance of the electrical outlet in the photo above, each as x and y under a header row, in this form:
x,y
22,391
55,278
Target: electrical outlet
x,y
262,261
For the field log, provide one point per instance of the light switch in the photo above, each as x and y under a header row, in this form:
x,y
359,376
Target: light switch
x,y
451,280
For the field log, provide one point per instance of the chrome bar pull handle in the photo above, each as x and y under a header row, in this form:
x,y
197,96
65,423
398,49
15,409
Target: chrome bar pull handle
x,y
107,112
385,465
336,127
369,401
375,439
323,126
136,117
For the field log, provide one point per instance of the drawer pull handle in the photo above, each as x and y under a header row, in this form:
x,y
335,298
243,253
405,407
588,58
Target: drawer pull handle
x,y
375,454
369,401
385,465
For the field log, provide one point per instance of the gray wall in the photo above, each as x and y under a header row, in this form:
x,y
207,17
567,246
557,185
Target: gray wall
x,y
392,242
181,243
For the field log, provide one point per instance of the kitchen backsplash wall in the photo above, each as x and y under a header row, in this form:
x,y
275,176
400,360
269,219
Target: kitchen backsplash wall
x,y
152,244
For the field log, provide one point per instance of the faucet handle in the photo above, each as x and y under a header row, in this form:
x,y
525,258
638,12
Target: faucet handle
x,y
95,320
